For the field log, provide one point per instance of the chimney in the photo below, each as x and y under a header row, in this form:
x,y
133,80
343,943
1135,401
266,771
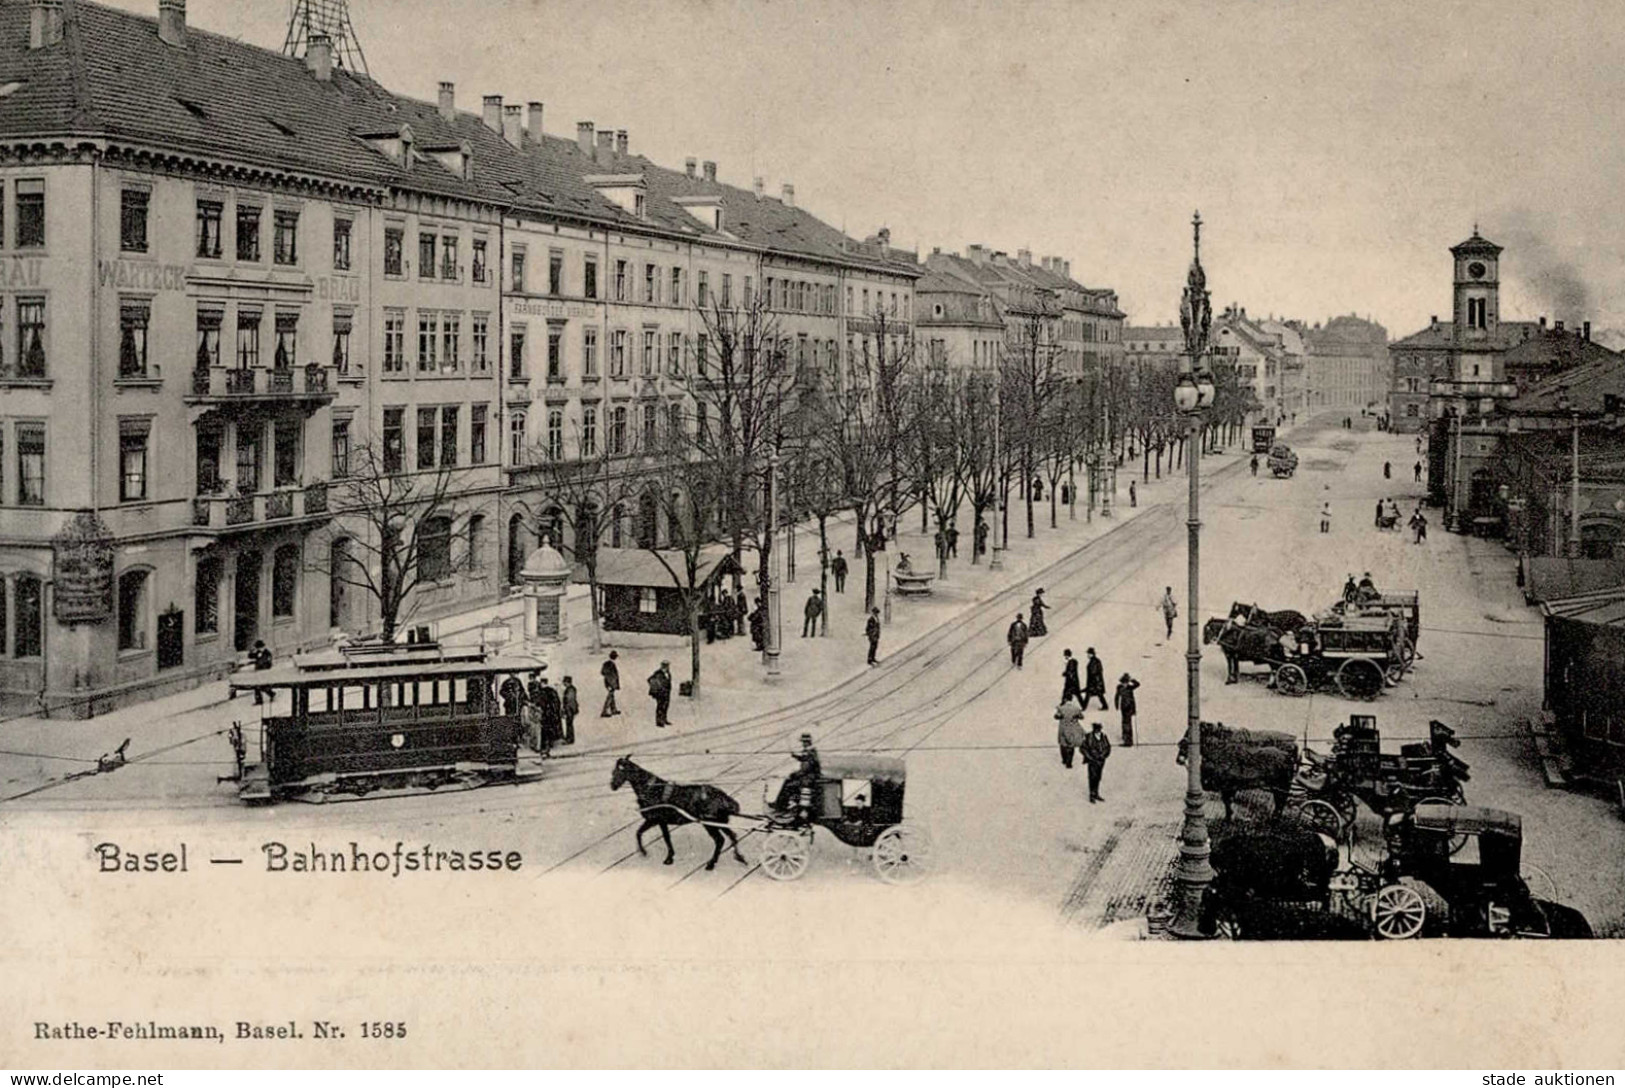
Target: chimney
x,y
1542,322
513,125
584,136
1585,331
691,167
710,169
491,113
448,101
1025,256
788,195
1066,268
606,146
533,122
622,141
172,28
884,234
318,56
759,183
44,23
1557,327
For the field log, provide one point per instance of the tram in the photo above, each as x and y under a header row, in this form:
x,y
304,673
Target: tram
x,y
371,716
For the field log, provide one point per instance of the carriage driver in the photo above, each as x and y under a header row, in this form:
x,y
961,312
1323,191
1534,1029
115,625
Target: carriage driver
x,y
807,774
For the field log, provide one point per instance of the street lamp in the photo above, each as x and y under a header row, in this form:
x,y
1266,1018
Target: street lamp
x,y
1192,396
996,559
770,645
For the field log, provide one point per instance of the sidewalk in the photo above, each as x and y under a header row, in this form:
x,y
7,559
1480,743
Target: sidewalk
x,y
733,681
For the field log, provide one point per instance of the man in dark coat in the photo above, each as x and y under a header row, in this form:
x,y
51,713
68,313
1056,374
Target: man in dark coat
x,y
513,696
552,714
261,657
1094,681
1016,636
1124,699
953,542
533,689
871,631
837,567
569,706
1095,748
810,613
758,627
1071,688
660,692
612,684
738,613
981,537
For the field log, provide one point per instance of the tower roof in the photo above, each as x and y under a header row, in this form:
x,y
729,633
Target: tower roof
x,y
1477,244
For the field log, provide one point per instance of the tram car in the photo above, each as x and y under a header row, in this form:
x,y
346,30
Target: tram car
x,y
367,717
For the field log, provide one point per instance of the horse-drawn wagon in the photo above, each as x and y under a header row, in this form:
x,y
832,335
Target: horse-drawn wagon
x,y
1328,788
1282,461
1358,654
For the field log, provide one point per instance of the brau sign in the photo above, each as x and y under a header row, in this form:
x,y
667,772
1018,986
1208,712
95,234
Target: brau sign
x,y
141,275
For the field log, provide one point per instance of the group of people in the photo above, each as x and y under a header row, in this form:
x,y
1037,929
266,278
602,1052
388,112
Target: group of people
x,y
549,713
947,541
659,689
724,615
1022,631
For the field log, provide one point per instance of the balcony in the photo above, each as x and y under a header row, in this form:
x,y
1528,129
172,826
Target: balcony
x,y
307,387
266,509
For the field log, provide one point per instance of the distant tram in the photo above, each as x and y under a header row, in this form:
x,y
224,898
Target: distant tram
x,y
366,717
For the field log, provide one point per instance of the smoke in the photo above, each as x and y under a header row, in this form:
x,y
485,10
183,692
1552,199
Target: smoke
x,y
1555,283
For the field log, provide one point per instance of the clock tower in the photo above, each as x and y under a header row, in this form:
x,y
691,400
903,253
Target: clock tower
x,y
1476,332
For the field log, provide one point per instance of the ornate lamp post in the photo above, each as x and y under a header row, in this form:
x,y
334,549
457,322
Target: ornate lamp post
x,y
1192,397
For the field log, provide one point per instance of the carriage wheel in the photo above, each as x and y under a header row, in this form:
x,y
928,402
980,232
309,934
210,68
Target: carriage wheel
x,y
1458,840
1324,818
1359,678
902,854
1398,912
1226,926
1407,652
785,854
1291,680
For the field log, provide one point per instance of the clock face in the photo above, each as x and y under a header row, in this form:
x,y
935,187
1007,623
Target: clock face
x,y
1476,270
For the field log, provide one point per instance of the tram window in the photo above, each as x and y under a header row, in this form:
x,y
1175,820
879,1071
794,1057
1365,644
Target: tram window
x,y
459,691
318,701
355,698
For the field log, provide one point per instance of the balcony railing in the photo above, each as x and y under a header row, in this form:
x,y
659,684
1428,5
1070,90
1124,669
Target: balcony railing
x,y
279,504
316,499
239,511
230,383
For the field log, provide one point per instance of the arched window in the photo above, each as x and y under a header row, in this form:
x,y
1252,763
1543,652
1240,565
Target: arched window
x,y
285,581
132,610
434,549
28,596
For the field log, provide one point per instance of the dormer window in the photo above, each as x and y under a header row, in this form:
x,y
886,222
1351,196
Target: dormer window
x,y
626,191
707,208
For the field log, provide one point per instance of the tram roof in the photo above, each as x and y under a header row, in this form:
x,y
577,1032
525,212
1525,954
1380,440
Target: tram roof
x,y
328,667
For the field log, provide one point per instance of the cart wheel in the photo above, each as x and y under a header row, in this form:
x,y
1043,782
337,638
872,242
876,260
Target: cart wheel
x,y
1291,680
785,854
1398,912
1407,652
1539,882
902,854
1456,841
1321,816
1359,678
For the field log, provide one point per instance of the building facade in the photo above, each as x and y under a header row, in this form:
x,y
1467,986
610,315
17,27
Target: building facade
x,y
1347,364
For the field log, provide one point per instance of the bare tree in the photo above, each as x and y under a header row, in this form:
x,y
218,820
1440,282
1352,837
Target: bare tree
x,y
401,530
943,427
1032,381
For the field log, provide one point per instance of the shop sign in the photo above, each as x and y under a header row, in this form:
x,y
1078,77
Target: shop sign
x,y
83,580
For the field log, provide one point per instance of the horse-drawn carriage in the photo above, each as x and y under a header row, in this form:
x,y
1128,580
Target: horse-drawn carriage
x,y
856,798
1282,461
1359,654
1446,871
1408,606
1328,788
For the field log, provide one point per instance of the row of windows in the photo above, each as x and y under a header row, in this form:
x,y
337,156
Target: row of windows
x,y
619,421
437,432
439,340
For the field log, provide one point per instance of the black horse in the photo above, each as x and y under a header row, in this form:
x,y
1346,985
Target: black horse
x,y
1240,759
664,804
1255,639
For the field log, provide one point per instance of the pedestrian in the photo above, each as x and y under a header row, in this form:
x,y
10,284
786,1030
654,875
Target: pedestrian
x,y
1419,526
871,631
260,656
612,683
1069,732
1326,517
533,690
1417,468
1071,686
660,692
980,542
1351,590
941,542
1133,496
810,613
1094,680
1378,521
837,567
1253,464
569,706
1168,609
758,627
1016,636
1096,747
736,614
953,541
1387,470
1036,627
513,696
552,715
1125,702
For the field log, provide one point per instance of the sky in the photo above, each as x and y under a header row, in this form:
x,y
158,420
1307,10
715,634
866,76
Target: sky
x,y
1335,150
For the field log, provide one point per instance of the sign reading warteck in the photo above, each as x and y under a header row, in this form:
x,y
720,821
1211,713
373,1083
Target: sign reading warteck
x,y
83,591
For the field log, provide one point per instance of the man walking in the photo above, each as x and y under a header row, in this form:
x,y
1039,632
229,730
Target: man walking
x,y
1254,464
612,684
1094,680
1326,517
953,541
1417,468
1017,636
1169,609
809,614
1419,526
660,692
837,567
1133,496
1124,699
980,543
1071,687
1069,732
552,716
1096,747
569,706
871,631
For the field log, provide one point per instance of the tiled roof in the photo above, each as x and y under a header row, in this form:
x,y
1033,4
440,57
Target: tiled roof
x,y
111,77
1585,387
1476,244
1605,608
1552,349
936,281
